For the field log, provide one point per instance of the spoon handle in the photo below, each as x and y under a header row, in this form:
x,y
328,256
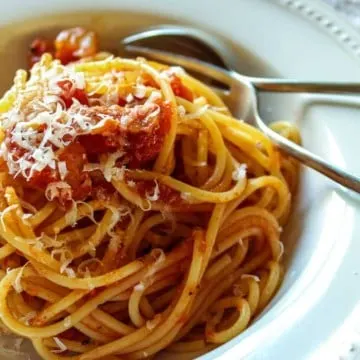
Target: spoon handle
x,y
297,86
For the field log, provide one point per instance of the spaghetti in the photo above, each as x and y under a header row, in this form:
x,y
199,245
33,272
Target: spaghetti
x,y
137,215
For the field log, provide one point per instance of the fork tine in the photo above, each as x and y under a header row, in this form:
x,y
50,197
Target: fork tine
x,y
210,71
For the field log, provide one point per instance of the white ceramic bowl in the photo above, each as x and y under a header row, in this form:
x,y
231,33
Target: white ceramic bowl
x,y
314,313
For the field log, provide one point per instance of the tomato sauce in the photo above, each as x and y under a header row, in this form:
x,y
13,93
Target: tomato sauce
x,y
180,89
167,195
75,158
39,47
74,44
70,45
69,93
140,137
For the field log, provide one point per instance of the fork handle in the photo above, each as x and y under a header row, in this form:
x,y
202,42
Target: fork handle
x,y
296,86
311,160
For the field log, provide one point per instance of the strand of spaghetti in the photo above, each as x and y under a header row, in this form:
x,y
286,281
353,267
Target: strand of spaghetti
x,y
12,200
76,235
224,243
42,214
202,89
29,251
142,230
156,347
89,245
188,155
253,296
111,322
97,314
10,96
217,141
247,144
216,267
134,302
252,132
240,324
181,305
75,346
211,234
147,337
227,179
202,157
46,353
253,166
83,210
92,282
131,231
51,311
253,185
6,250
271,284
35,289
145,205
211,291
111,277
146,309
196,193
58,327
255,217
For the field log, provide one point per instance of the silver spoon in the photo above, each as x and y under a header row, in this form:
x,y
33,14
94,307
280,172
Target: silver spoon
x,y
244,86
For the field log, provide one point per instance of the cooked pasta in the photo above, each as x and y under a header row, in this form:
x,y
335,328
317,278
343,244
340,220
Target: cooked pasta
x,y
137,215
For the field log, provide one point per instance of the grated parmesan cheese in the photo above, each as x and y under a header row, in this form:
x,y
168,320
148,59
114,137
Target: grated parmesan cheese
x,y
64,265
156,194
186,196
62,169
119,173
67,322
17,282
62,347
71,215
28,317
83,267
70,273
129,98
139,287
249,276
181,111
140,91
153,323
159,256
54,189
240,172
109,166
198,113
281,253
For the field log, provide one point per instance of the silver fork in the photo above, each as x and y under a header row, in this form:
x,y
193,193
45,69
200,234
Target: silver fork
x,y
240,84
